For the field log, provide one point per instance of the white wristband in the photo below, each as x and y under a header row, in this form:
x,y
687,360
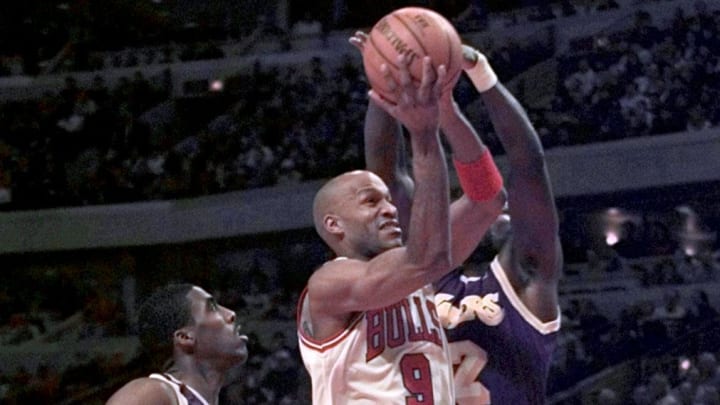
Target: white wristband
x,y
482,74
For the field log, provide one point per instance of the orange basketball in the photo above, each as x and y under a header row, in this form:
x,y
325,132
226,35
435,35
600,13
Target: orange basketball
x,y
417,32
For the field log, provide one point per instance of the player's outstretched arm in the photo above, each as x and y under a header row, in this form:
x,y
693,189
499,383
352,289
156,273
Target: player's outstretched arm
x,y
483,195
535,254
385,155
347,286
385,149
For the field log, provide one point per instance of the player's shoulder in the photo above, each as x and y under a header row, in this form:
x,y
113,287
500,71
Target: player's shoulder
x,y
334,279
144,390
331,267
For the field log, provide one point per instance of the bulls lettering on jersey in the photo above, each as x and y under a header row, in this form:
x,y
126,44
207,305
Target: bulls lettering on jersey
x,y
392,355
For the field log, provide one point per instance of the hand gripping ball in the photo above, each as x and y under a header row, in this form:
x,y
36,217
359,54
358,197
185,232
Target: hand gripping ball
x,y
417,32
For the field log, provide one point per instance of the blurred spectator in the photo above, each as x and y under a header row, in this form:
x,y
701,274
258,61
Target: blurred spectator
x,y
584,80
671,313
307,26
700,309
541,12
607,396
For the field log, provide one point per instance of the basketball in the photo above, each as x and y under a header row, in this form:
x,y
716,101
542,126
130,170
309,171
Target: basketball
x,y
417,32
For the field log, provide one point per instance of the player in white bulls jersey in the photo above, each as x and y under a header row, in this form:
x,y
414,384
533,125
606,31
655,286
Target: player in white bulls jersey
x,y
385,356
367,324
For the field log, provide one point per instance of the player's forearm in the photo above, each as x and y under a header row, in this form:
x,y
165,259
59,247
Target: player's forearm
x,y
429,232
508,117
464,141
384,146
514,129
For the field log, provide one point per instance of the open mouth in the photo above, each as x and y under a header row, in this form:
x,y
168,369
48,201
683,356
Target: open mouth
x,y
393,224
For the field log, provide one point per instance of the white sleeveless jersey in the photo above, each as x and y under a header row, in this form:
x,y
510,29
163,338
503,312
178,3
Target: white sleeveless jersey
x,y
393,355
184,394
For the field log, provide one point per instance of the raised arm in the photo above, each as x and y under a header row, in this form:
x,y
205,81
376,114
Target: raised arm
x,y
533,256
483,197
385,155
385,150
346,286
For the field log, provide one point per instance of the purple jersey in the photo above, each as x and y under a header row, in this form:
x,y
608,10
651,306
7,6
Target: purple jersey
x,y
492,333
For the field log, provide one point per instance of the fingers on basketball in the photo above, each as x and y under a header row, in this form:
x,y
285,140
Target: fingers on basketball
x,y
413,32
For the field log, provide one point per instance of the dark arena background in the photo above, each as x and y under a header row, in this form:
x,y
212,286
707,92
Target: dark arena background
x,y
145,141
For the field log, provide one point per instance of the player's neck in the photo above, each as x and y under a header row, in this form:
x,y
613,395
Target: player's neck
x,y
206,381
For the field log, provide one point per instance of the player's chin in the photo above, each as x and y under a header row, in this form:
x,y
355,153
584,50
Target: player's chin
x,y
240,355
395,242
243,356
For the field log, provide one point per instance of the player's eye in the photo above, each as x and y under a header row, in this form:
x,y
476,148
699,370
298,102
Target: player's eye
x,y
372,198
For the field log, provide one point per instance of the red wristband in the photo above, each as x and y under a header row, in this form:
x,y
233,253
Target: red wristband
x,y
480,180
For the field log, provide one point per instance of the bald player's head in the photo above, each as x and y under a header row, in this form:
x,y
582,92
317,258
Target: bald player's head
x,y
338,199
324,203
328,200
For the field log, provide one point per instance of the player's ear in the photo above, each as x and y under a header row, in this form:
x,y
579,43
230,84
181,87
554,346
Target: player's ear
x,y
332,224
185,339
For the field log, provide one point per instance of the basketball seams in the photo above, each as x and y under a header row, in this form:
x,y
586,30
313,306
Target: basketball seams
x,y
437,25
451,33
380,53
381,86
402,32
451,56
408,27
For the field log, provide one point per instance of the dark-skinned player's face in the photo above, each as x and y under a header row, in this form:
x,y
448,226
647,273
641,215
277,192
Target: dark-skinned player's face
x,y
368,216
216,331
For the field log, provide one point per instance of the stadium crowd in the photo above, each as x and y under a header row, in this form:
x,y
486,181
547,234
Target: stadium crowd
x,y
97,145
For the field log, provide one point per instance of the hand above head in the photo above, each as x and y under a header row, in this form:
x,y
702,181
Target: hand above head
x,y
478,69
471,58
417,107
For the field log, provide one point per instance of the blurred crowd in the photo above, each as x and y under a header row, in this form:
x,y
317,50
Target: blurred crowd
x,y
650,79
95,144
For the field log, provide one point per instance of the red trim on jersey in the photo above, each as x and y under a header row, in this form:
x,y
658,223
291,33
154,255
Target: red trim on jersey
x,y
298,312
322,345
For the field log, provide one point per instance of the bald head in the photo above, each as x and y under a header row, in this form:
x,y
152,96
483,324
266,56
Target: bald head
x,y
331,198
324,202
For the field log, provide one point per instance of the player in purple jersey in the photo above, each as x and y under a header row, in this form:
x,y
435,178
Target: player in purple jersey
x,y
503,323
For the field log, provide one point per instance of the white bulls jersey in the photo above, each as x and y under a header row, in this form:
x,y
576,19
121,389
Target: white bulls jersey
x,y
393,355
